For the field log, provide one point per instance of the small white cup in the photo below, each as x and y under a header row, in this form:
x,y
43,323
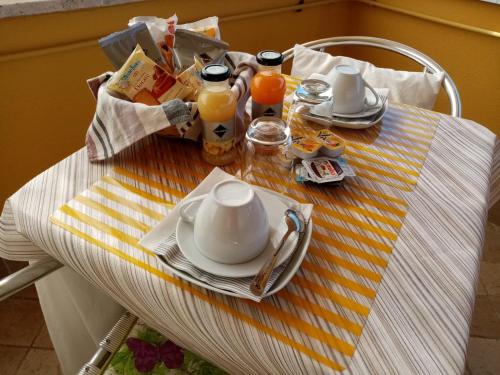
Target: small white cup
x,y
348,89
231,225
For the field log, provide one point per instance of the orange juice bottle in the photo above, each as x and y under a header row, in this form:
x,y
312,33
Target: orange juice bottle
x,y
268,86
217,107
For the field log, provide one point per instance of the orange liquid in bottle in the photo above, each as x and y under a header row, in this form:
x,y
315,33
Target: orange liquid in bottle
x,y
268,87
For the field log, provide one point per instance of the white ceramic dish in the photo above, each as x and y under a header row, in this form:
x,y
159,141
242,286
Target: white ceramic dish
x,y
285,277
343,122
275,209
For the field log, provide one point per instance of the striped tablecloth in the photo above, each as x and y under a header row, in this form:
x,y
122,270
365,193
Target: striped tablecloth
x,y
426,171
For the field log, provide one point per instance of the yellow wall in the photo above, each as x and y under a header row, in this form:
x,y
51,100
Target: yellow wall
x,y
45,106
473,60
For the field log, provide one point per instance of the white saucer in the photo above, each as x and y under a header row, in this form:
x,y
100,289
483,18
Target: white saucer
x,y
342,122
275,209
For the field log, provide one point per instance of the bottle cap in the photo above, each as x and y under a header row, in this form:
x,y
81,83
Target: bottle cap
x,y
215,73
269,58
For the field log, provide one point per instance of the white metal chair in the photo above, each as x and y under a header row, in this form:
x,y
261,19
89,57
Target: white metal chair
x,y
428,64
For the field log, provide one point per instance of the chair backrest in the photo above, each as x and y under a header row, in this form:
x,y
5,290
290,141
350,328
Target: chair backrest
x,y
429,64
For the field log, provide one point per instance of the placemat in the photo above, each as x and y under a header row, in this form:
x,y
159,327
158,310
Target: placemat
x,y
322,312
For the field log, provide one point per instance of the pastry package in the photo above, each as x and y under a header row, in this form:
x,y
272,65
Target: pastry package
x,y
143,81
163,33
191,78
207,26
189,44
118,46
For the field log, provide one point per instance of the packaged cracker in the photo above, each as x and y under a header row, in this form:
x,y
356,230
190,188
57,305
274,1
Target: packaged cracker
x,y
207,26
140,79
118,46
189,44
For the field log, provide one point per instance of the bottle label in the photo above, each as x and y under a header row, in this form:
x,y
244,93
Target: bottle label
x,y
218,137
259,110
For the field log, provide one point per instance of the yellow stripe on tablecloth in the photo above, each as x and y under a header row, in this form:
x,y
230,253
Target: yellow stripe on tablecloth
x,y
350,249
154,184
353,235
112,213
339,279
307,328
135,190
390,198
391,133
326,314
127,203
346,264
383,163
122,236
373,178
361,224
331,295
350,194
297,188
364,148
198,293
381,172
402,126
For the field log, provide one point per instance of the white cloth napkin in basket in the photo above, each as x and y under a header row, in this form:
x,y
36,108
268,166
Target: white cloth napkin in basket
x,y
162,241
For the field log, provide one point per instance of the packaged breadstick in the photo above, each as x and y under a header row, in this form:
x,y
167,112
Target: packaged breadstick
x,y
163,33
140,79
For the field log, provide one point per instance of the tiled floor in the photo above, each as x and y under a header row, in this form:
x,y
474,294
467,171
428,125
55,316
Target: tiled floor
x,y
26,349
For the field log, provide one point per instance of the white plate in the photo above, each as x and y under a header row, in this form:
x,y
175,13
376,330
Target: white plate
x,y
285,277
343,122
275,209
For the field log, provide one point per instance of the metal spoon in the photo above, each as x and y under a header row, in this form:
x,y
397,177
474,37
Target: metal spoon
x,y
295,223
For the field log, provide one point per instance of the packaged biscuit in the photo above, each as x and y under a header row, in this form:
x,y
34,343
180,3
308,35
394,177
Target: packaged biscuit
x,y
140,78
118,46
207,26
189,44
191,79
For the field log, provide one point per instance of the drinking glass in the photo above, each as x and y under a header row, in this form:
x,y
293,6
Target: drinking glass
x,y
266,155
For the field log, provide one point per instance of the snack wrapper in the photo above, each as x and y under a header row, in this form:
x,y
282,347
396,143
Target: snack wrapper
x,y
118,46
189,44
142,80
191,79
323,170
163,33
207,26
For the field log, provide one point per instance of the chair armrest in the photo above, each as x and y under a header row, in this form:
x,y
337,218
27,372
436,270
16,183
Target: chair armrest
x,y
26,276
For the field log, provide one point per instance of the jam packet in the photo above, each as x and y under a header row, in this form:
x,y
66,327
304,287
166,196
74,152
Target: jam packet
x,y
324,170
331,145
142,80
118,46
305,147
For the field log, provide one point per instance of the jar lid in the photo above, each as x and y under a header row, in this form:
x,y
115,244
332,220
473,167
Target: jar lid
x,y
268,131
269,58
215,73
